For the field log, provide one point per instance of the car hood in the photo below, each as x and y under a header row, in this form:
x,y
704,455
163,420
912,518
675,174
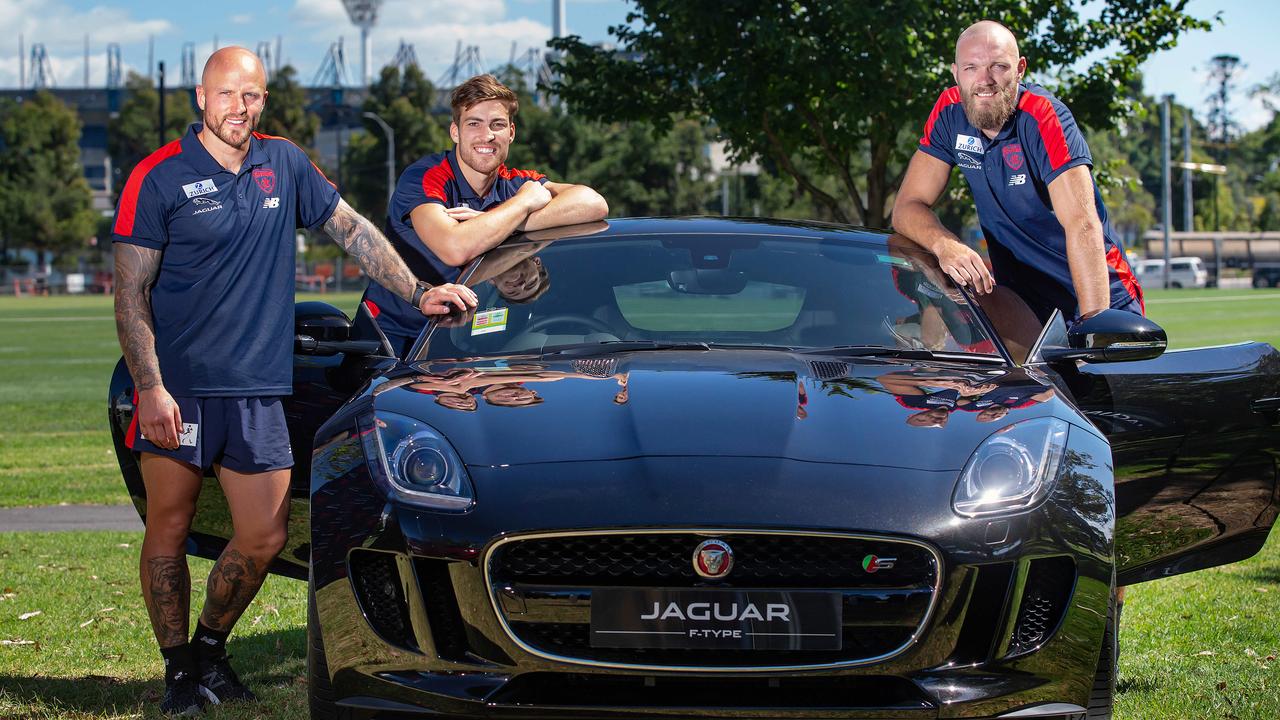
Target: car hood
x,y
719,403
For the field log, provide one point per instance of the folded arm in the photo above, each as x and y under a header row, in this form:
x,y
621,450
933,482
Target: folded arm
x,y
570,205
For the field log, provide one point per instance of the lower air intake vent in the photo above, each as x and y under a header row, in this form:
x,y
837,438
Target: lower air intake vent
x,y
380,590
1044,601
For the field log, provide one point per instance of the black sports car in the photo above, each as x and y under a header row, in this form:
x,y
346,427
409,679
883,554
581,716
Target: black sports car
x,y
717,468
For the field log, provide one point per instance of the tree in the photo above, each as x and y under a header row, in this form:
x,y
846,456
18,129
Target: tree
x,y
286,113
44,199
405,103
131,135
844,86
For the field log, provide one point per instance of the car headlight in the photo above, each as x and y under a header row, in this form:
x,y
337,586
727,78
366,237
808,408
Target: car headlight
x,y
1013,469
415,463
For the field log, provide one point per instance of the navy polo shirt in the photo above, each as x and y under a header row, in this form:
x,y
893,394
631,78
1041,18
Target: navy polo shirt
x,y
1009,177
432,179
222,305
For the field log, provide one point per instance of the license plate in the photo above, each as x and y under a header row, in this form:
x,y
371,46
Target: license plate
x,y
715,619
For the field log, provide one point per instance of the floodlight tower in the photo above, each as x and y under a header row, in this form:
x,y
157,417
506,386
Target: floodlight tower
x,y
363,14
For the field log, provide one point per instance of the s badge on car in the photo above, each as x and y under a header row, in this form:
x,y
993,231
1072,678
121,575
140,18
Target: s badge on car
x,y
871,563
713,559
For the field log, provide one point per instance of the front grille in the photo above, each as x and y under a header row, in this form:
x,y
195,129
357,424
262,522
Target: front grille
x,y
1044,601
546,583
666,560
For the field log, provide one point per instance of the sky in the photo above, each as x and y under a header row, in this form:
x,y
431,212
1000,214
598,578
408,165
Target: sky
x,y
307,28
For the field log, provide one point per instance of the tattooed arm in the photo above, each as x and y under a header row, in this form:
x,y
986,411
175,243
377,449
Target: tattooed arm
x,y
354,233
157,413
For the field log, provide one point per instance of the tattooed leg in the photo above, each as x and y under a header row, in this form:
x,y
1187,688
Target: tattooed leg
x,y
166,589
259,504
172,489
233,583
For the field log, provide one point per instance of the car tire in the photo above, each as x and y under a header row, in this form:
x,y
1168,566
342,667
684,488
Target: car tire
x,y
1175,284
1104,679
320,693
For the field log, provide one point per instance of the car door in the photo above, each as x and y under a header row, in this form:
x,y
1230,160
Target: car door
x,y
1195,441
321,384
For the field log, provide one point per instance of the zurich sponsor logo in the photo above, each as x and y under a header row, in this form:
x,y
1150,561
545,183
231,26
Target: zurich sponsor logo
x,y
1019,179
965,160
199,187
969,143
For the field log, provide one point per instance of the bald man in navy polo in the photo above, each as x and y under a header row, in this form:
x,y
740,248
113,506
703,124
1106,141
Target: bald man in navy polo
x,y
204,259
1028,167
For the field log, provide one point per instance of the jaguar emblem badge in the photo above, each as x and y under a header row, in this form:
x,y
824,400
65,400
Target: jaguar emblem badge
x,y
713,559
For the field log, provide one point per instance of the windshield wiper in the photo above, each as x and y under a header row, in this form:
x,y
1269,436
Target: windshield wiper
x,y
905,353
617,346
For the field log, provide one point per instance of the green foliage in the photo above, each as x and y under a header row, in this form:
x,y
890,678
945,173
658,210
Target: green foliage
x,y
843,87
44,199
286,113
404,102
132,134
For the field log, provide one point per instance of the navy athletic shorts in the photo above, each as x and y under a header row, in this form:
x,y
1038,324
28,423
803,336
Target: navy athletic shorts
x,y
246,435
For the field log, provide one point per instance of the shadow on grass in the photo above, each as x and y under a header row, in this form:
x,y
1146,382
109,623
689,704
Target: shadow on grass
x,y
270,659
1140,684
1264,575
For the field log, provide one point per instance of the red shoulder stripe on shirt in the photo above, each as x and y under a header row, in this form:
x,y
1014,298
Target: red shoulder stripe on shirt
x,y
1115,259
1055,141
129,198
945,100
434,178
264,136
507,173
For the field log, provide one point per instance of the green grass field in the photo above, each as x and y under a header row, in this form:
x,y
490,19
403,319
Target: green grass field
x,y
1202,645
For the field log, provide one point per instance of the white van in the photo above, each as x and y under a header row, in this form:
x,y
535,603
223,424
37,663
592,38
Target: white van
x,y
1183,272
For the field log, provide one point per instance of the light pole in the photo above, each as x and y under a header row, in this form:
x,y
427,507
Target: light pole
x,y
391,154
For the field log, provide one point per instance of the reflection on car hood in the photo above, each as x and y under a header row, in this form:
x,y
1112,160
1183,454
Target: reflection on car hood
x,y
920,415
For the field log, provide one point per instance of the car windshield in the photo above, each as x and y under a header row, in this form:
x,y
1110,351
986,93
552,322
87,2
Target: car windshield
x,y
708,291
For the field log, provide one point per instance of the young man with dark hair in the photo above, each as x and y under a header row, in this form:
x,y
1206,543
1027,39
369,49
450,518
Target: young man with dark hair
x,y
204,263
450,207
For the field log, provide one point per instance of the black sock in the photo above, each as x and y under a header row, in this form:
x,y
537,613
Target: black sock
x,y
178,660
209,644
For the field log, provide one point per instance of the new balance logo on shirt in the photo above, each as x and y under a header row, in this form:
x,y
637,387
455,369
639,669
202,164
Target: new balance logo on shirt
x,y
1020,179
271,203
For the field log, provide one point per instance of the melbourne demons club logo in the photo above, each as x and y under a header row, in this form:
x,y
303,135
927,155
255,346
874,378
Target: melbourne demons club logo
x,y
266,180
1013,157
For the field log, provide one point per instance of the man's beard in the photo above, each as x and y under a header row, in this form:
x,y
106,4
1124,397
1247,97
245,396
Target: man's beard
x,y
994,114
224,131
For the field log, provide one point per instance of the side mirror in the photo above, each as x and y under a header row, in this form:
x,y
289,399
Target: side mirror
x,y
1108,336
321,321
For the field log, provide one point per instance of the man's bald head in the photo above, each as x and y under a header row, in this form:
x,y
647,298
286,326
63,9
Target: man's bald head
x,y
231,95
233,60
988,32
987,70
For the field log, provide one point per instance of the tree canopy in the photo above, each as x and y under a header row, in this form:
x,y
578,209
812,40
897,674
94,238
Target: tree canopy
x,y
44,199
131,134
841,90
286,114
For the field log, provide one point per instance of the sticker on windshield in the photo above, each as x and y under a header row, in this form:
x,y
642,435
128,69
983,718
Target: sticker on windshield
x,y
489,321
891,260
